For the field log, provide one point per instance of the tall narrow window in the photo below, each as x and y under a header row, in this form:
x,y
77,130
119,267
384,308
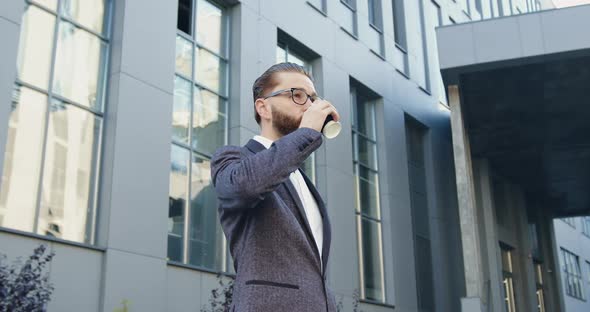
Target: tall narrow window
x,y
573,280
507,279
51,167
368,209
290,51
399,24
376,27
415,136
199,127
348,16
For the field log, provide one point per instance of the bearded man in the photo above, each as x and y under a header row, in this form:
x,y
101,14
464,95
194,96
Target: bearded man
x,y
273,217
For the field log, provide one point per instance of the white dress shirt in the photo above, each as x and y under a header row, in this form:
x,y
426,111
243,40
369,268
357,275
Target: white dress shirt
x,y
310,206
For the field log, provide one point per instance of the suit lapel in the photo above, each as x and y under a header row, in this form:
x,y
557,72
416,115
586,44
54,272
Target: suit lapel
x,y
307,228
325,221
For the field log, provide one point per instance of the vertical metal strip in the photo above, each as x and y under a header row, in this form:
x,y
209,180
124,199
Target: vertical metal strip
x,y
47,113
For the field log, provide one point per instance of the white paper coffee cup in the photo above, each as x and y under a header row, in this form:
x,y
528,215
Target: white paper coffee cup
x,y
331,129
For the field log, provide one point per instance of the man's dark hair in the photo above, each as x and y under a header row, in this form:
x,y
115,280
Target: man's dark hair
x,y
266,81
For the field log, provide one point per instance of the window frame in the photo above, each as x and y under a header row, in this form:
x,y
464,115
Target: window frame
x,y
222,95
359,215
96,111
571,260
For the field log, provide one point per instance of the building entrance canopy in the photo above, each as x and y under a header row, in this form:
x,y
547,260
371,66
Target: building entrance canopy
x,y
524,85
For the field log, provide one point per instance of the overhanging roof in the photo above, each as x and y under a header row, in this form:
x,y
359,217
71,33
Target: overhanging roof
x,y
525,95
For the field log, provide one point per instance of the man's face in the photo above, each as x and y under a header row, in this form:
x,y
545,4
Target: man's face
x,y
286,115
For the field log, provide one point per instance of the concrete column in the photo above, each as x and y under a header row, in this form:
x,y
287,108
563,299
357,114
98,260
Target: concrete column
x,y
467,208
489,240
133,212
551,273
525,266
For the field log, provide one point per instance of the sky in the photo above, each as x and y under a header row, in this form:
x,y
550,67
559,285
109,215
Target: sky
x,y
566,3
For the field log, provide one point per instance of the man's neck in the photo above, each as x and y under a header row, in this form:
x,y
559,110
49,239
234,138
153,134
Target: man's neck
x,y
270,134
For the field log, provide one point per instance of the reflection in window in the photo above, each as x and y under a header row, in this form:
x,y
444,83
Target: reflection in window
x,y
508,279
199,128
35,44
179,168
50,177
22,161
88,13
205,235
77,65
73,136
540,286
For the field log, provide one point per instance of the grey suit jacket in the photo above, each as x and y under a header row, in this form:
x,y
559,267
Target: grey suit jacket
x,y
275,256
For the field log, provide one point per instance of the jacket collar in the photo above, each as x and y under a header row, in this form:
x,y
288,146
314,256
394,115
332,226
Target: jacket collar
x,y
255,146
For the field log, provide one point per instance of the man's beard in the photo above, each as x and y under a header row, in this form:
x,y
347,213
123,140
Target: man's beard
x,y
283,123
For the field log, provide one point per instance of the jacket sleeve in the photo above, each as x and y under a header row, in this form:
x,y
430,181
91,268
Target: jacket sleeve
x,y
242,182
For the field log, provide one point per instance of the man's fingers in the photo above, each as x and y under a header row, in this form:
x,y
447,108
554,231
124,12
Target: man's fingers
x,y
331,110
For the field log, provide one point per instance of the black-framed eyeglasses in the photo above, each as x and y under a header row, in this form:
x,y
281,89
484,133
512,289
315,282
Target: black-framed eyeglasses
x,y
299,96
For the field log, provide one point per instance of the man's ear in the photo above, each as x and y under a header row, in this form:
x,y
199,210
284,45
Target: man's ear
x,y
263,109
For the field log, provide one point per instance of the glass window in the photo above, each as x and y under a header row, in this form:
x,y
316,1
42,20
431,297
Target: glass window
x,y
209,121
540,288
184,60
399,23
210,71
78,68
372,270
415,139
34,52
210,27
88,13
199,128
67,200
181,111
375,35
185,13
178,198
367,196
22,159
573,275
348,16
508,279
55,161
50,4
205,230
375,13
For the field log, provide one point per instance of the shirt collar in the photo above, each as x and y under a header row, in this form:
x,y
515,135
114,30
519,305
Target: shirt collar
x,y
264,141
